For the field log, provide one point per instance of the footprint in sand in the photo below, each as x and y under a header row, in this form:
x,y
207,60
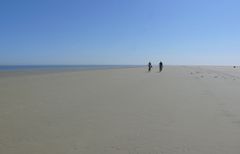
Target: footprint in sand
x,y
228,114
236,122
223,77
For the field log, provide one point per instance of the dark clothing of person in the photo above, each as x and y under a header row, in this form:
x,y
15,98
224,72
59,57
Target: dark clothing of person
x,y
160,66
149,67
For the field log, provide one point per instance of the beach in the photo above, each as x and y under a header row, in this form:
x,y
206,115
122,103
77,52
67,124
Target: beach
x,y
182,110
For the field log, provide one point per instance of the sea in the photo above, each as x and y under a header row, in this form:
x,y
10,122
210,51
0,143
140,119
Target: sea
x,y
61,67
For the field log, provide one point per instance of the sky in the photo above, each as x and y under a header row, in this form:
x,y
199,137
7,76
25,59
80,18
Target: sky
x,y
73,32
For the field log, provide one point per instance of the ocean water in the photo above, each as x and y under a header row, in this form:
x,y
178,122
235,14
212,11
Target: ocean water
x,y
61,67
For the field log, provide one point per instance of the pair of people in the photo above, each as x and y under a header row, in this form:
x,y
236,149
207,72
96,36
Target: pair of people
x,y
150,66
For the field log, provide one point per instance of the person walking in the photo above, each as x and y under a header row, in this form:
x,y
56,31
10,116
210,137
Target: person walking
x,y
149,67
160,66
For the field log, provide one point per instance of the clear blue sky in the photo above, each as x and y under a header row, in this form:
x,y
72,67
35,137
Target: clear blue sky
x,y
120,31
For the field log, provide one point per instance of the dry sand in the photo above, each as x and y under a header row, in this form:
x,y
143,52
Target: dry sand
x,y
183,110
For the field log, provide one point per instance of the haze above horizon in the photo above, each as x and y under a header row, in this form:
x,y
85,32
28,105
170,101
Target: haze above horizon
x,y
184,32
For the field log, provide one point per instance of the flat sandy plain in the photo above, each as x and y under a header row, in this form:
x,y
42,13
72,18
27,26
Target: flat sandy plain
x,y
183,110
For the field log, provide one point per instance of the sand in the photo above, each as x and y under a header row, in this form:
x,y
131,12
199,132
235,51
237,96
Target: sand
x,y
183,110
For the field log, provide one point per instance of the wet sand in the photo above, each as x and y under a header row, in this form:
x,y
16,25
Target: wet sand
x,y
182,110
